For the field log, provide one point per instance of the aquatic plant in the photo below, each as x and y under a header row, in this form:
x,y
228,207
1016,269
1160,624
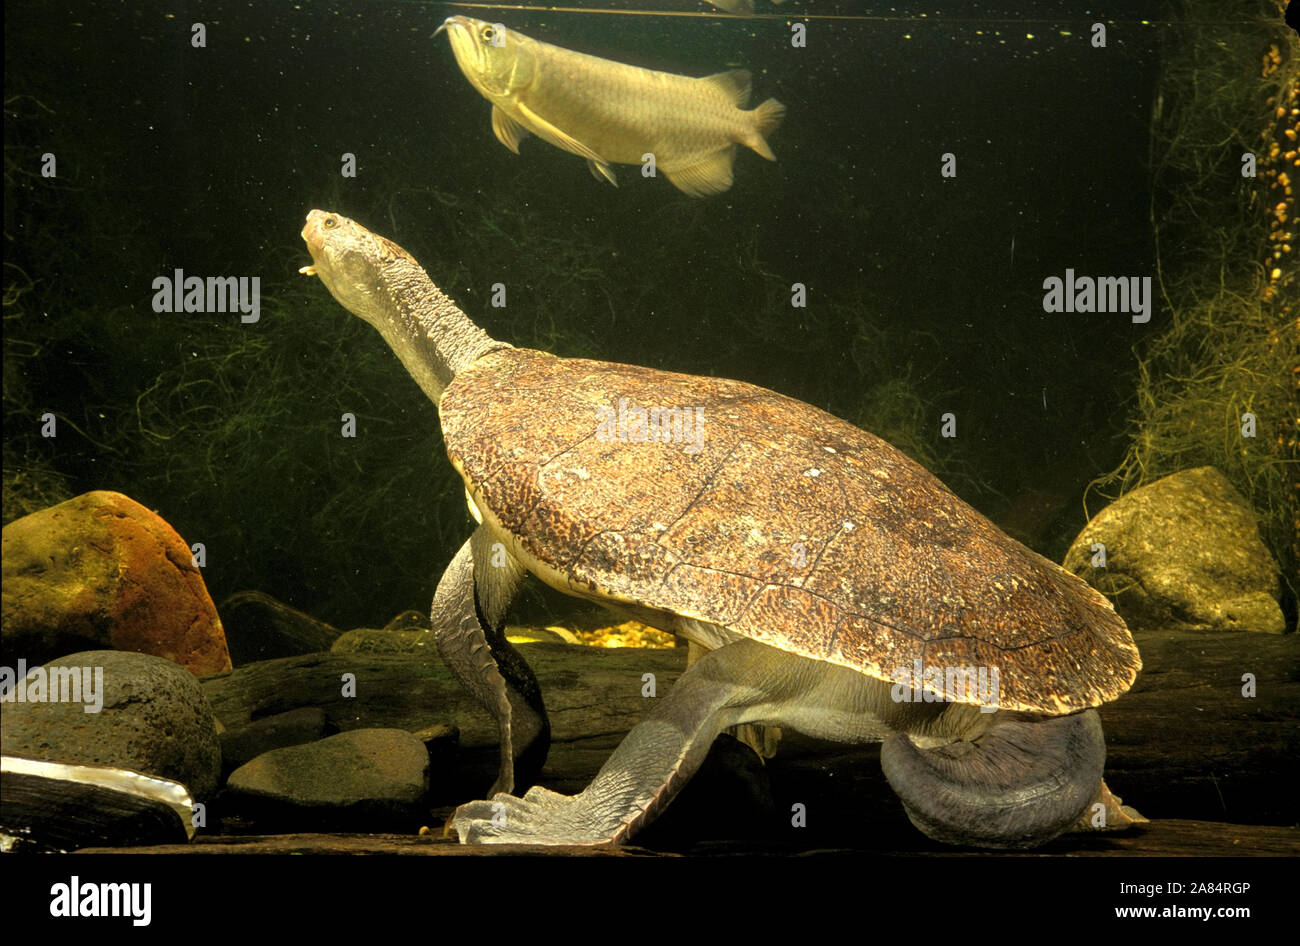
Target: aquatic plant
x,y
1226,272
31,477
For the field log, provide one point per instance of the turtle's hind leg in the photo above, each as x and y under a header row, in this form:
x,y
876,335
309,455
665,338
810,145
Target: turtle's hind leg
x,y
738,683
764,740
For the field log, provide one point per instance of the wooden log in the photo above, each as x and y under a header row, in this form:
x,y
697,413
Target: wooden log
x,y
593,697
1184,743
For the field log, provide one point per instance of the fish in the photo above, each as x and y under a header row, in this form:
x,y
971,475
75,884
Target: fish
x,y
610,112
738,7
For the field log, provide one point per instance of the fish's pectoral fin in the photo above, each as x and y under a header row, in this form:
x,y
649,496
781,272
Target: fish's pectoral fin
x,y
735,85
552,135
601,171
508,131
711,175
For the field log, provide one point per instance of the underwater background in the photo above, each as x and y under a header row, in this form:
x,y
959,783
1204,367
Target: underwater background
x,y
924,293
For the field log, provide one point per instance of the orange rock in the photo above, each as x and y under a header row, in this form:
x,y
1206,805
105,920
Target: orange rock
x,y
102,571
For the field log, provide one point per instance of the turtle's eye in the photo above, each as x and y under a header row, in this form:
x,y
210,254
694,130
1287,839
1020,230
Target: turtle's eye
x,y
330,223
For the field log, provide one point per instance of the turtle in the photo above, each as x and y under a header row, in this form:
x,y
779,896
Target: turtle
x,y
839,588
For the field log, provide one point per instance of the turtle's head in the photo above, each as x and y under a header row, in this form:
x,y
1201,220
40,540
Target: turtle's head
x,y
380,283
354,264
497,61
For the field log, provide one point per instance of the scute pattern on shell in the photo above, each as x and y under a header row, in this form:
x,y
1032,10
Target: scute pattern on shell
x,y
789,526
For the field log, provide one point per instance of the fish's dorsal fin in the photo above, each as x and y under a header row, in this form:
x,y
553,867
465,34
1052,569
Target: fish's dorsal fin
x,y
712,175
735,85
601,171
508,131
552,135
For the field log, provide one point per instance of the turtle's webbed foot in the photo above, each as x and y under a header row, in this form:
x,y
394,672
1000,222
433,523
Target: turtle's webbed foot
x,y
540,817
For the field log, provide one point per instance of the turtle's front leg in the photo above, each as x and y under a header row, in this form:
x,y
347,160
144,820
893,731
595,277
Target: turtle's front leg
x,y
469,611
740,682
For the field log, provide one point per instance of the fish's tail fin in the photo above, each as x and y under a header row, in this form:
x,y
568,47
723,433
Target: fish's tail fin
x,y
767,117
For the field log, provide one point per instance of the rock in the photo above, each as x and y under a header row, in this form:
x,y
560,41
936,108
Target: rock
x,y
449,782
407,642
154,720
366,779
410,621
438,737
28,485
1183,553
238,746
102,571
261,628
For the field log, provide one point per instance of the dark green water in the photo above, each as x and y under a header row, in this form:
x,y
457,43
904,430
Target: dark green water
x,y
925,294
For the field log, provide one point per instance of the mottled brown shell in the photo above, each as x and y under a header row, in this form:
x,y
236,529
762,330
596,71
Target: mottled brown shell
x,y
788,526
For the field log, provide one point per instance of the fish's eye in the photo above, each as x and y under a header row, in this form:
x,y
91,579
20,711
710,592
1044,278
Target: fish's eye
x,y
330,223
487,33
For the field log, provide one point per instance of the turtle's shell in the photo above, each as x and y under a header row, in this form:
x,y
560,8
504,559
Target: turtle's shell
x,y
787,525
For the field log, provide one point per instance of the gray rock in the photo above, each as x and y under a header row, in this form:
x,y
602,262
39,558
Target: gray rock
x,y
366,778
154,719
238,746
1183,553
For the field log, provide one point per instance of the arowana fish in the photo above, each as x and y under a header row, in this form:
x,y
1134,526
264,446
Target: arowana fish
x,y
738,7
612,113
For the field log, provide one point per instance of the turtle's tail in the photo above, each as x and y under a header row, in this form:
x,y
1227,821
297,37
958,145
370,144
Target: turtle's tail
x,y
1023,782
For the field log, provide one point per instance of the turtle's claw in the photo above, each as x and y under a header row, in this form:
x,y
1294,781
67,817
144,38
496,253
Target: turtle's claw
x,y
540,817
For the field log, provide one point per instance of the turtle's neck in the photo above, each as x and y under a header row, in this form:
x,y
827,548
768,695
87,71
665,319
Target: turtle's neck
x,y
428,332
380,283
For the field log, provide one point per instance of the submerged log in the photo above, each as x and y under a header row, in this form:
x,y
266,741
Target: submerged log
x,y
1189,742
1184,743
